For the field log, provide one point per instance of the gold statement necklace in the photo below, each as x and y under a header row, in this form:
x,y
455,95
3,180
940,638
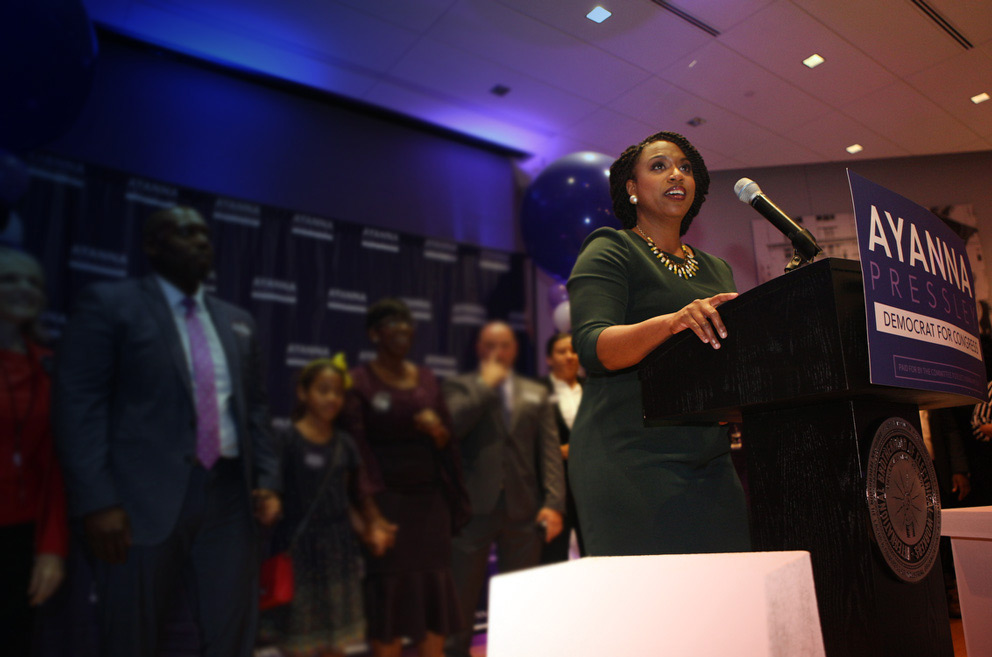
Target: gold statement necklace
x,y
686,269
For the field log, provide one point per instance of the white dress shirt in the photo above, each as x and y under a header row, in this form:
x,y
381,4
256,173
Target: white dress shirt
x,y
568,399
506,396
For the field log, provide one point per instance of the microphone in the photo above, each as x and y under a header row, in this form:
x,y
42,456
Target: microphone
x,y
802,240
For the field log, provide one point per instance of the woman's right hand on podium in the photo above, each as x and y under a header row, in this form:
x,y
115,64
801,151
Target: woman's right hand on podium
x,y
621,346
702,318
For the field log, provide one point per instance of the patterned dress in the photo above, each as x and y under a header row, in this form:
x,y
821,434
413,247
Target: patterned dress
x,y
326,611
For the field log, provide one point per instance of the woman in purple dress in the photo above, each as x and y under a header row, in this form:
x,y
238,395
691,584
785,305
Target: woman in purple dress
x,y
398,409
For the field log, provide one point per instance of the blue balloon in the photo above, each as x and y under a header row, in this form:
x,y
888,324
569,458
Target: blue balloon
x,y
566,202
14,178
48,53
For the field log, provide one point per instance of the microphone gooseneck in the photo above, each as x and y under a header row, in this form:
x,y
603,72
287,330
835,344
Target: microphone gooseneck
x,y
802,240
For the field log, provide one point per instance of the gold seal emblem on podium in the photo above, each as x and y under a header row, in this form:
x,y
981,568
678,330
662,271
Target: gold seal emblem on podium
x,y
903,500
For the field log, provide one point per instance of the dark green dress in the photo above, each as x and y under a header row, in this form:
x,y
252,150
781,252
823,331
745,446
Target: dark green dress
x,y
666,490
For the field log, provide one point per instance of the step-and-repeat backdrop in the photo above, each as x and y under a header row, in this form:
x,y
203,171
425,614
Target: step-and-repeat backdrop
x,y
307,279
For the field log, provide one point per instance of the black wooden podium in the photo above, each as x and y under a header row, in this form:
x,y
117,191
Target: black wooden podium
x,y
794,371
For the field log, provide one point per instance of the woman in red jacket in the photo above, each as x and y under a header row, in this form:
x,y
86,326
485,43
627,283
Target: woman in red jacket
x,y
33,531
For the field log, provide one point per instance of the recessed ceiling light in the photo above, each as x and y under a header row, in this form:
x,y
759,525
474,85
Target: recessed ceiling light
x,y
980,98
854,148
813,61
598,15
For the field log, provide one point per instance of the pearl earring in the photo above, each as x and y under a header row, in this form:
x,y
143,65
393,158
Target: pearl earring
x,y
633,199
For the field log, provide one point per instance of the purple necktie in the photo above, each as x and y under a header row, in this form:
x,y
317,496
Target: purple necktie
x,y
205,387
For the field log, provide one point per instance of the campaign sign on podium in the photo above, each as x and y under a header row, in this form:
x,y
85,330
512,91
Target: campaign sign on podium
x,y
919,296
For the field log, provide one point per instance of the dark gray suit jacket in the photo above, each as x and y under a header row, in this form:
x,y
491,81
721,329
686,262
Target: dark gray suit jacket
x,y
524,458
124,413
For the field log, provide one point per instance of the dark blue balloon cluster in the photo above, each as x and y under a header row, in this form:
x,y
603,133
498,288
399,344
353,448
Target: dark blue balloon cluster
x,y
48,54
566,202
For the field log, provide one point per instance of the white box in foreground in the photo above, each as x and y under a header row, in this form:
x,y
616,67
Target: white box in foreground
x,y
748,604
970,530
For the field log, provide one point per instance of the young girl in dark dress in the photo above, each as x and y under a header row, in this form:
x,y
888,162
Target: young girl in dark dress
x,y
321,469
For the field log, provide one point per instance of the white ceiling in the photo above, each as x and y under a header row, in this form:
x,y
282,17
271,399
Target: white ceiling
x,y
892,81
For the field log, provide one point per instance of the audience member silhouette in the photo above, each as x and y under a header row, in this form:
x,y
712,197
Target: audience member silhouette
x,y
511,458
565,386
398,408
33,530
163,432
322,501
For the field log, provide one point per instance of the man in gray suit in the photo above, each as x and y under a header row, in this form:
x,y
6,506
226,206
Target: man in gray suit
x,y
162,428
505,428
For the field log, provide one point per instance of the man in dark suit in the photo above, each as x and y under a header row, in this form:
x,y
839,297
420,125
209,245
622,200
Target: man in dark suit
x,y
505,428
565,387
162,428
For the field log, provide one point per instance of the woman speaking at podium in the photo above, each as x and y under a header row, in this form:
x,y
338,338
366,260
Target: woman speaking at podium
x,y
662,490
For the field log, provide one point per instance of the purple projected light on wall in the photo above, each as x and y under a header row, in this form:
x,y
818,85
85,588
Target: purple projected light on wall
x,y
305,47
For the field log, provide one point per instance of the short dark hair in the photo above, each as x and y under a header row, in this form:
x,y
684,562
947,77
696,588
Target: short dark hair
x,y
160,219
388,308
622,170
560,335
